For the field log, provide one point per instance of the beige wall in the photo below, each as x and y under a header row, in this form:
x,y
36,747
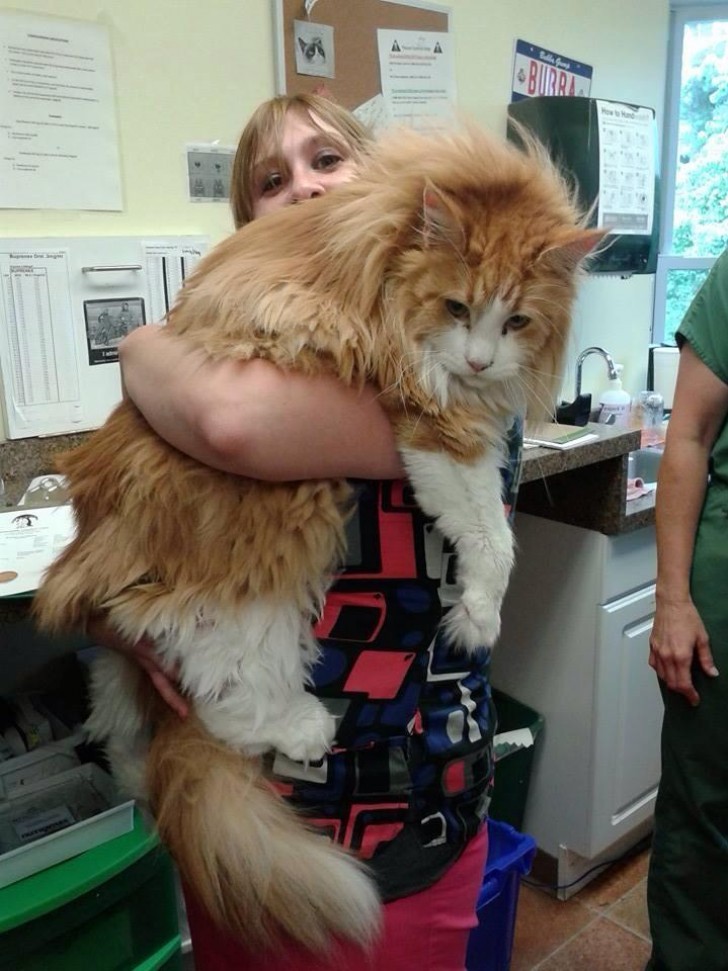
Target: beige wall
x,y
188,71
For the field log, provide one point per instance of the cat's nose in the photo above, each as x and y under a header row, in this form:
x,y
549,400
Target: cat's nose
x,y
475,364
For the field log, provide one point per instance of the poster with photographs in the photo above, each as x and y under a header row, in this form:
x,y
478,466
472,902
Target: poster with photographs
x,y
209,167
314,46
107,322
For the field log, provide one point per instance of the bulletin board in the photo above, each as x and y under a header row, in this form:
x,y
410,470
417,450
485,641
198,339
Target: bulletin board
x,y
355,24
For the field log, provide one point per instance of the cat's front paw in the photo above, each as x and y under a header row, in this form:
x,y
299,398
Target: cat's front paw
x,y
307,732
474,623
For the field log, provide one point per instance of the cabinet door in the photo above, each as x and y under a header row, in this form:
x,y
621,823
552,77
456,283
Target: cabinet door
x,y
628,719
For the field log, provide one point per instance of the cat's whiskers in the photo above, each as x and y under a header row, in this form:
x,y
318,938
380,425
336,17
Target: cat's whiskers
x,y
544,396
400,369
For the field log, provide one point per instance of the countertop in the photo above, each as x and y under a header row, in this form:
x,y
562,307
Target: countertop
x,y
578,478
584,486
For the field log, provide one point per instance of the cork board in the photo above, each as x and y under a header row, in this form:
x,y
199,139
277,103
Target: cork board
x,y
355,24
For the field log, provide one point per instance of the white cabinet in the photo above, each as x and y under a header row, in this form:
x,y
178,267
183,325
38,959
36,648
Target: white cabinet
x,y
574,646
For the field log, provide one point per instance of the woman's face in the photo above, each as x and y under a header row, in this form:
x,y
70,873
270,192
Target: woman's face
x,y
310,163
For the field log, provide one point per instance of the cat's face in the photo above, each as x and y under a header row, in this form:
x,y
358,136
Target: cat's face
x,y
490,297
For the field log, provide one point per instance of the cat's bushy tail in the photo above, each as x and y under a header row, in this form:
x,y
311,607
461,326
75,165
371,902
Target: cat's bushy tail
x,y
254,865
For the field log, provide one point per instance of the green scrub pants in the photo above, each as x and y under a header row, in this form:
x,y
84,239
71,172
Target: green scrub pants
x,y
687,891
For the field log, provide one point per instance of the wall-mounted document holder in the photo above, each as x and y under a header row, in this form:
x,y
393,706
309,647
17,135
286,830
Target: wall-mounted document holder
x,y
65,304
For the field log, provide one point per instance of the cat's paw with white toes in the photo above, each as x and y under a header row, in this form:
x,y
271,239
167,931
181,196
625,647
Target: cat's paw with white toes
x,y
307,732
474,623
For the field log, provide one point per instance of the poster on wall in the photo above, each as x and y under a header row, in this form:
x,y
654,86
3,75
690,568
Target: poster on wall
x,y
538,72
417,76
58,139
626,168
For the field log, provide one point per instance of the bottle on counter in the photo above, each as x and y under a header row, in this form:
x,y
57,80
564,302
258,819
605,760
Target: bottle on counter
x,y
650,408
615,401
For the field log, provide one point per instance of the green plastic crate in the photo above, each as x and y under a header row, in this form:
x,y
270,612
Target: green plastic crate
x,y
113,908
513,765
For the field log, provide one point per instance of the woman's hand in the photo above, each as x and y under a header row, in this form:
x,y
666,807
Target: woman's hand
x,y
143,653
678,636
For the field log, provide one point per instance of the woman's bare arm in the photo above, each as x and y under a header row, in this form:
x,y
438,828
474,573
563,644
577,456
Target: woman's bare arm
x,y
251,418
678,633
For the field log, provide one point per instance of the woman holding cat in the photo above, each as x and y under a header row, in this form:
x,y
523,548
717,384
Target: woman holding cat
x,y
407,786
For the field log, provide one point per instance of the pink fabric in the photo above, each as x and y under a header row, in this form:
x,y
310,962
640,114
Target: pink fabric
x,y
427,931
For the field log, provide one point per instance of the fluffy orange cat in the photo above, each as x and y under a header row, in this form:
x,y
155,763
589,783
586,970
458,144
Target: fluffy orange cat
x,y
445,275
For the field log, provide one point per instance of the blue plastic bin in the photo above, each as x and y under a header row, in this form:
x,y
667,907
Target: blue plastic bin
x,y
510,855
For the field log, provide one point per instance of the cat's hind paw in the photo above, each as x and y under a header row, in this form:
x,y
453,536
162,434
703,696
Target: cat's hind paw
x,y
473,624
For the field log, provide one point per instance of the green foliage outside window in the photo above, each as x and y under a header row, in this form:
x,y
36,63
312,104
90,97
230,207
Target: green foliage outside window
x,y
682,285
701,184
700,214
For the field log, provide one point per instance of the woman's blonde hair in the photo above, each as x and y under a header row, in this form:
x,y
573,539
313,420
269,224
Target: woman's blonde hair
x,y
265,128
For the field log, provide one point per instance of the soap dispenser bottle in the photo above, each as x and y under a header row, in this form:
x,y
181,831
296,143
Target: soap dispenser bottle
x,y
615,401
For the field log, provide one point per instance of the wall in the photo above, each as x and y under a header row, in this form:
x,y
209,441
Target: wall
x,y
189,72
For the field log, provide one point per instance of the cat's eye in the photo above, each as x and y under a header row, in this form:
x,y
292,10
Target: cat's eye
x,y
460,311
516,321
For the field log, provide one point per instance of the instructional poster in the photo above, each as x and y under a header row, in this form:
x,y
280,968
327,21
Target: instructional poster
x,y
626,168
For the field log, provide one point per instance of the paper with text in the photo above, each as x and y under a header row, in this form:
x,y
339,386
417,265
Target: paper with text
x,y
37,350
30,539
58,139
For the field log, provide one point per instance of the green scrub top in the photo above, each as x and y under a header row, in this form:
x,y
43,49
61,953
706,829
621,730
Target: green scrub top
x,y
705,328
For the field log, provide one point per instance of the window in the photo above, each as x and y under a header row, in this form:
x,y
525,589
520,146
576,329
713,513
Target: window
x,y
695,170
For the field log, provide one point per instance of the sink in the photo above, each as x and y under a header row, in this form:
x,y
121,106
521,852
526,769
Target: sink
x,y
644,463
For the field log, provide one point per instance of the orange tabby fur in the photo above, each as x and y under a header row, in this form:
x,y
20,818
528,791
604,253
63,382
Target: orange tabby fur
x,y
351,284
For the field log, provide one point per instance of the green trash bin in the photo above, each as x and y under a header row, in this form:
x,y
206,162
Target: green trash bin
x,y
514,758
112,908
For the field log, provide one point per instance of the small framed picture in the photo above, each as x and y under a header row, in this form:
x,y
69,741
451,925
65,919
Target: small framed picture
x,y
107,322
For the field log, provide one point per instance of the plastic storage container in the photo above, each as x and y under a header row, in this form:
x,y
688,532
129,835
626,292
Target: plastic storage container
x,y
112,908
510,855
514,758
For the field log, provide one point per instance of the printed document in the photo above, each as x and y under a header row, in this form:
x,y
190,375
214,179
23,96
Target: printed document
x,y
58,140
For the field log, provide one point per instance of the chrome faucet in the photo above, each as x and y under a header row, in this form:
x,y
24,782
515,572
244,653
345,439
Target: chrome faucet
x,y
580,361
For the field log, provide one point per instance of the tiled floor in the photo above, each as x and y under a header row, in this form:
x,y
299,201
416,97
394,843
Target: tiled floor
x,y
602,928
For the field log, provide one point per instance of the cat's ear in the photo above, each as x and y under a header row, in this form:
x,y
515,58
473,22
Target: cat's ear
x,y
440,219
302,43
574,246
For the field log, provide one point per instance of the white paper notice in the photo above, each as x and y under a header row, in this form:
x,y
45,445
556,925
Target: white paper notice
x,y
417,75
37,351
626,168
58,140
30,539
167,267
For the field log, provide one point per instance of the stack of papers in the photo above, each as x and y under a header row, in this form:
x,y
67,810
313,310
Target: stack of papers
x,y
553,435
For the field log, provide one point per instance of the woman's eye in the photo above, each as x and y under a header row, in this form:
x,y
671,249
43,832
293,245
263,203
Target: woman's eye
x,y
459,311
517,321
271,183
327,160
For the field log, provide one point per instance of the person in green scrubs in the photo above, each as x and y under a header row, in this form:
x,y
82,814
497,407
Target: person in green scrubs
x,y
687,889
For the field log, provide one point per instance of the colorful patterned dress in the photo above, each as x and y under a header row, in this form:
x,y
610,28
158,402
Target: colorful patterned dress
x,y
409,783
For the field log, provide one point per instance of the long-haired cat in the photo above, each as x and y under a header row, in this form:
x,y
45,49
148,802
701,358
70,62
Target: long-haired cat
x,y
445,275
